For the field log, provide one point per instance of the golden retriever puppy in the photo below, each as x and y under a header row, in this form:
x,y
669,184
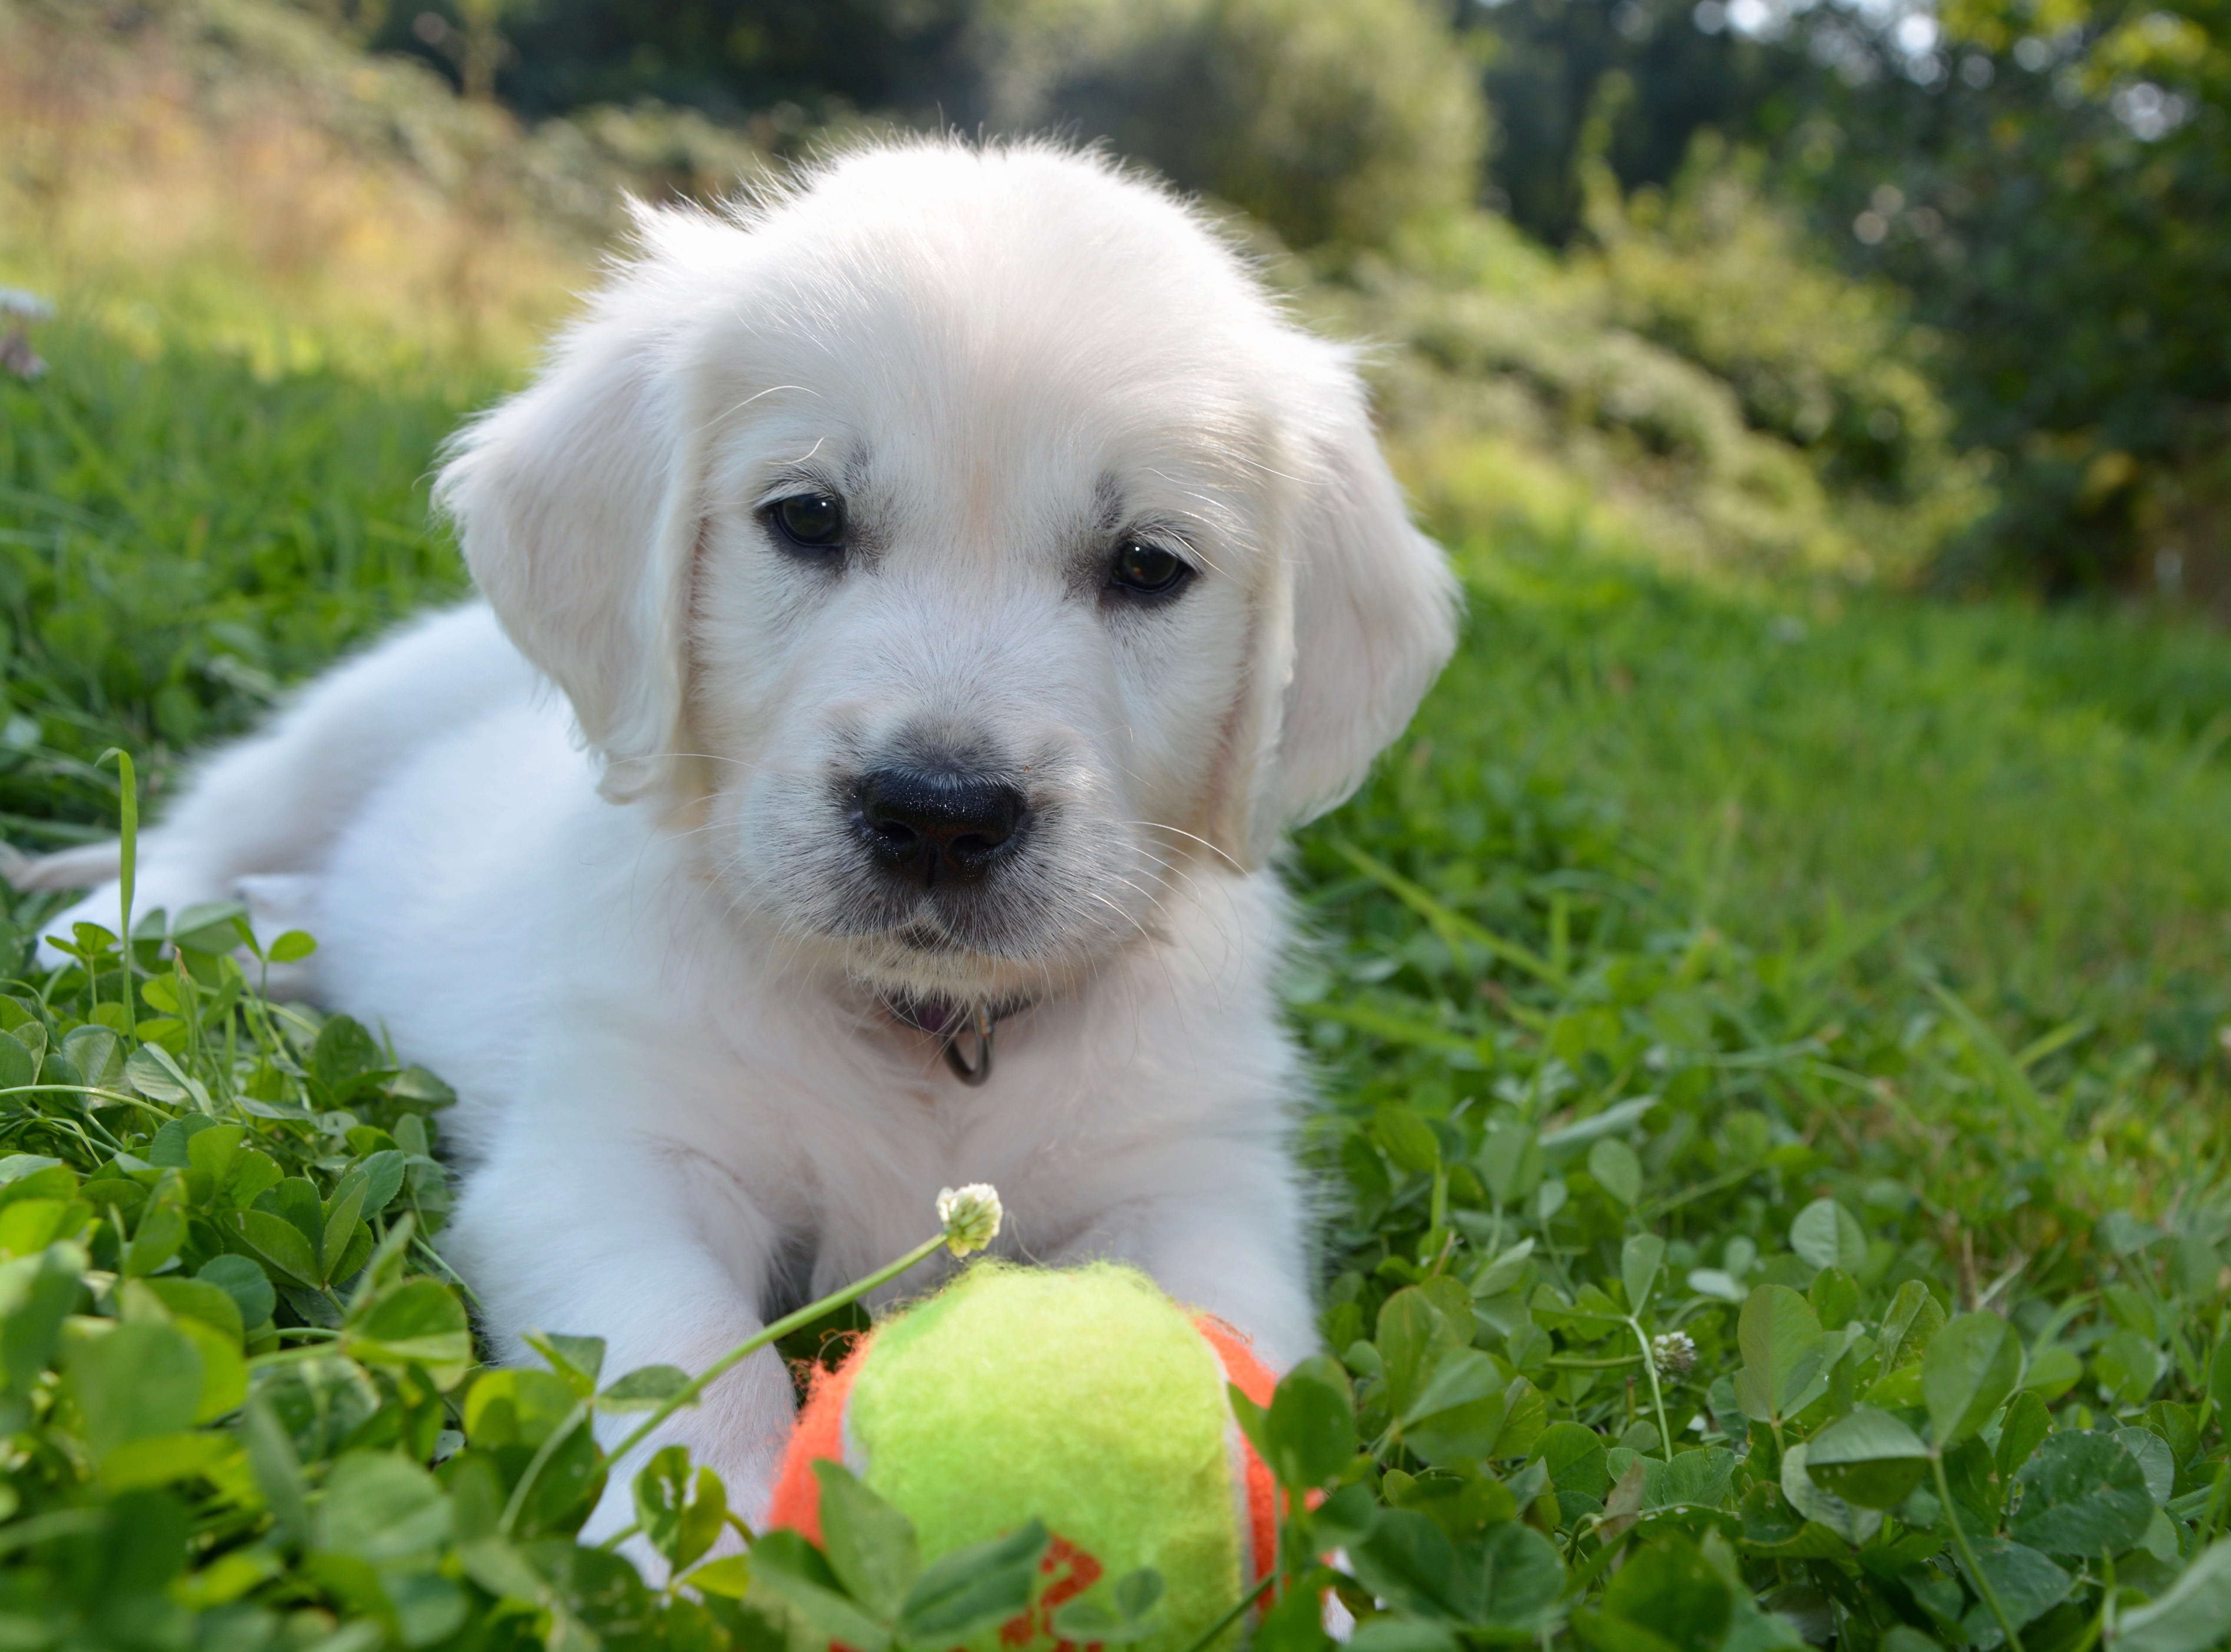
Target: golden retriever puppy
x,y
914,605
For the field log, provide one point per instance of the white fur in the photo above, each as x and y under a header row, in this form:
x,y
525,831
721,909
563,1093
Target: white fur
x,y
654,969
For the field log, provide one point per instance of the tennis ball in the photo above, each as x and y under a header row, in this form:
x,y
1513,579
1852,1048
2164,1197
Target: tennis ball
x,y
1083,1397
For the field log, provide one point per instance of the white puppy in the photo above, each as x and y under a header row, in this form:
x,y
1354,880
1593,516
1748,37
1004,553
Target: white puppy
x,y
957,572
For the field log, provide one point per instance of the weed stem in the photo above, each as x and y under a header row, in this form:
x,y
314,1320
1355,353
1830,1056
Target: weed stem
x,y
1968,1553
779,1329
1657,1394
128,864
1239,1611
548,1450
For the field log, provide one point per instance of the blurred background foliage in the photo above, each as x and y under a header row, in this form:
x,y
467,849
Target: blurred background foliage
x,y
1869,288
2022,205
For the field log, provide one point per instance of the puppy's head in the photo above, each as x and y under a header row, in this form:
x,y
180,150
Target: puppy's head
x,y
969,537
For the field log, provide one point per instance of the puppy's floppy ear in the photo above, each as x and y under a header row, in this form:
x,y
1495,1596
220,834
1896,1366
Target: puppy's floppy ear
x,y
577,504
1374,615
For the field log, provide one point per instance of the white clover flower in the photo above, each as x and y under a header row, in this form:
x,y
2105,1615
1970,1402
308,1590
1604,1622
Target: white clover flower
x,y
1674,1354
22,308
971,1215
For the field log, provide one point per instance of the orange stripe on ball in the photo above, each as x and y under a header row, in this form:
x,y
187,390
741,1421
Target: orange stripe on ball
x,y
817,1434
1251,1378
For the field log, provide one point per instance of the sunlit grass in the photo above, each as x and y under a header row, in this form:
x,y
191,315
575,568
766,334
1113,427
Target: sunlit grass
x,y
154,190
2045,792
1933,839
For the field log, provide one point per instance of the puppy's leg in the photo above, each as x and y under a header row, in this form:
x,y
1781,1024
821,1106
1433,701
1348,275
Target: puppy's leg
x,y
1239,1251
618,1236
274,804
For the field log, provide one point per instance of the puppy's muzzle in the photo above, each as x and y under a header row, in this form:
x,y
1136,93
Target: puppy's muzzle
x,y
938,826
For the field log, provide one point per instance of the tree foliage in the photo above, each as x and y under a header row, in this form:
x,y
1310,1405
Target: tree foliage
x,y
1331,120
2048,180
2058,207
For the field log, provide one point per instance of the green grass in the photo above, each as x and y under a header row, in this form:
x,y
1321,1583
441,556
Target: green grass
x,y
1940,894
2043,796
178,538
1751,968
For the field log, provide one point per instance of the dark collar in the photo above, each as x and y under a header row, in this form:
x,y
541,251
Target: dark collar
x,y
950,1021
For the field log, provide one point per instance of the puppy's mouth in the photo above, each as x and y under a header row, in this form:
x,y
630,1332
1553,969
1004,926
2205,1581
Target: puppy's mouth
x,y
930,964
927,935
924,936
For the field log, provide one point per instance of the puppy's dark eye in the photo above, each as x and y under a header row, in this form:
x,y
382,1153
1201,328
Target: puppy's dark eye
x,y
1147,570
810,521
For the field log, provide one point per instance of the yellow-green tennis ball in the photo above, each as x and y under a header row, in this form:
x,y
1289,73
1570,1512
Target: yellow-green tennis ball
x,y
1082,1397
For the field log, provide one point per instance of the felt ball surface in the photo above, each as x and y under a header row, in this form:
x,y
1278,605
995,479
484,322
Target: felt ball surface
x,y
1083,1397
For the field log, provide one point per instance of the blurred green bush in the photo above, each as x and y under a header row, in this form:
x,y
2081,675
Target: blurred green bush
x,y
1689,380
1689,375
1331,120
2060,209
2047,180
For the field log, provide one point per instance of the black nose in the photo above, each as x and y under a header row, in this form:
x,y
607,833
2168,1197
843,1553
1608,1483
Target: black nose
x,y
937,824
